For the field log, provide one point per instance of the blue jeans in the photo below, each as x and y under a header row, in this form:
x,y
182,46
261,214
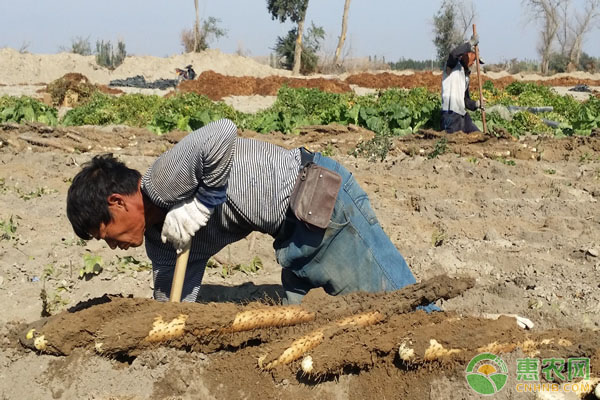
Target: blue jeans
x,y
352,254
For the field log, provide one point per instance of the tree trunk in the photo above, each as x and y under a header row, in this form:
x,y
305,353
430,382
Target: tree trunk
x,y
547,12
338,50
585,22
196,27
548,35
298,50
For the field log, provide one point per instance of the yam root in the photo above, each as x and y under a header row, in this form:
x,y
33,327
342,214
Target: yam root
x,y
114,325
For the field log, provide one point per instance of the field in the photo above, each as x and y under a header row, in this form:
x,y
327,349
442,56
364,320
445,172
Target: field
x,y
514,221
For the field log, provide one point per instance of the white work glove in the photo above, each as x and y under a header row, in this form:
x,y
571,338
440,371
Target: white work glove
x,y
480,104
183,221
474,41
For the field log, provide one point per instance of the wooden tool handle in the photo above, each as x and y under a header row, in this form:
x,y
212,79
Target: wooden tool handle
x,y
179,274
479,80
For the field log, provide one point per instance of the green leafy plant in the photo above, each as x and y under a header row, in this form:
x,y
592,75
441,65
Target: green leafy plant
x,y
389,113
131,265
505,161
229,269
52,302
48,272
39,192
329,150
53,299
438,237
439,148
8,229
92,265
26,109
74,242
374,149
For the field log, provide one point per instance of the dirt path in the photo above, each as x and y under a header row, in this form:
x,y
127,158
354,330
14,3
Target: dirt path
x,y
520,217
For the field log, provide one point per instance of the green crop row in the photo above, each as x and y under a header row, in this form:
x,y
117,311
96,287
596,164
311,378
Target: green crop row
x,y
388,113
25,109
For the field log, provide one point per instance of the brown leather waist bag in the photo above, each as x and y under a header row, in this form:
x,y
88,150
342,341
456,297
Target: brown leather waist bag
x,y
314,195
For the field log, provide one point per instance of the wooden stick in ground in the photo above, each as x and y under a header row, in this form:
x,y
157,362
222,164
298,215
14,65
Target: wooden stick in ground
x,y
479,81
179,274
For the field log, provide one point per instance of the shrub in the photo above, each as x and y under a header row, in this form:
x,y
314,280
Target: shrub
x,y
210,30
79,45
418,65
558,62
107,57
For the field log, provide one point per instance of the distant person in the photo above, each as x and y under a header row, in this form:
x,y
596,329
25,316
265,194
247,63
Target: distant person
x,y
214,188
455,89
187,74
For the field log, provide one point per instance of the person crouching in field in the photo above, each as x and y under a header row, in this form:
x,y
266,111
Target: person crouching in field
x,y
455,89
214,188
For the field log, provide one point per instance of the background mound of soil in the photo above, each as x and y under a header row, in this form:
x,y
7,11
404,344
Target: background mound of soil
x,y
217,86
73,89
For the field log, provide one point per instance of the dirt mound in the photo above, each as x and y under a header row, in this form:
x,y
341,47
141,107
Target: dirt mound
x,y
433,82
386,80
73,89
24,68
217,86
367,334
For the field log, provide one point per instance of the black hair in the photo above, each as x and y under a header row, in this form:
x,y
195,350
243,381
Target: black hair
x,y
87,198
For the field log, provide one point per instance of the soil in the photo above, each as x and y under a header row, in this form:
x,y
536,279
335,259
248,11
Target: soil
x,y
518,217
527,231
217,86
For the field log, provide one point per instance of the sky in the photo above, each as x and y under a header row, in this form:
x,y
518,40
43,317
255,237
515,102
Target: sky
x,y
393,29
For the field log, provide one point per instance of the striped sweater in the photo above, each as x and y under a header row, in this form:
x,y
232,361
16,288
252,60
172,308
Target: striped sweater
x,y
258,176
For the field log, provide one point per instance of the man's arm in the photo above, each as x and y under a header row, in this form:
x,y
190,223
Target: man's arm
x,y
198,165
470,104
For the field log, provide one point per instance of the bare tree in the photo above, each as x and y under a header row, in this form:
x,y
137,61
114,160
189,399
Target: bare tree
x,y
582,24
338,50
545,11
563,35
465,16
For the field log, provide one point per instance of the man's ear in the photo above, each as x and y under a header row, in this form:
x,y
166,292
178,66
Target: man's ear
x,y
116,200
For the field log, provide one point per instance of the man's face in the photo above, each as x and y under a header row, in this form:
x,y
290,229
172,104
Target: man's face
x,y
126,229
469,59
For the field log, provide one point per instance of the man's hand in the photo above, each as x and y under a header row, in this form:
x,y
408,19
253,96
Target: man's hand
x,y
474,41
183,221
480,104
